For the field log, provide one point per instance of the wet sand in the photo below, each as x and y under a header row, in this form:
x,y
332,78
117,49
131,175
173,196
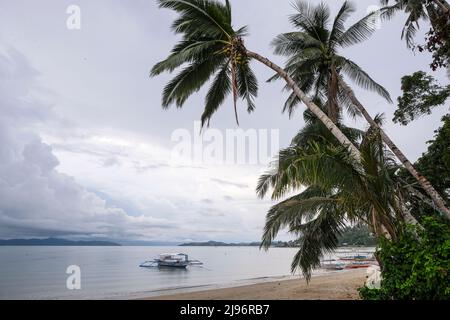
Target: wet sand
x,y
341,285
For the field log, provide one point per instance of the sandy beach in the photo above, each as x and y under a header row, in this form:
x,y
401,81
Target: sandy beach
x,y
336,286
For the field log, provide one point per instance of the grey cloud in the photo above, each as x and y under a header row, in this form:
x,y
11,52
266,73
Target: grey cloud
x,y
144,167
97,78
37,200
230,183
111,161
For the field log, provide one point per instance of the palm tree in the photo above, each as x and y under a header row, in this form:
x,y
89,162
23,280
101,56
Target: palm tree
x,y
315,63
436,198
338,191
416,10
211,47
314,60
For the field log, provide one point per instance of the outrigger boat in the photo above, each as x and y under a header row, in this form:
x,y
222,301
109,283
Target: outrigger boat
x,y
172,260
352,260
358,257
332,265
358,264
359,261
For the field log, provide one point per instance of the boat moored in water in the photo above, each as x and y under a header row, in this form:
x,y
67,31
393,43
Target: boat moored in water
x,y
171,260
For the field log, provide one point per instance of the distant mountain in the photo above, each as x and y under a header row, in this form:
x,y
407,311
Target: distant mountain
x,y
352,236
144,243
54,242
220,244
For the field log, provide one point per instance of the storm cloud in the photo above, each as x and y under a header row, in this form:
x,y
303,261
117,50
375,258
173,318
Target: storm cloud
x,y
85,147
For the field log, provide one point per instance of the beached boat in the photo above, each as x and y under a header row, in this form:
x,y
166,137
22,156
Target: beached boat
x,y
171,260
358,257
332,265
358,265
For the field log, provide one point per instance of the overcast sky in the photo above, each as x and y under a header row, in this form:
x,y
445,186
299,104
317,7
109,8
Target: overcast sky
x,y
86,149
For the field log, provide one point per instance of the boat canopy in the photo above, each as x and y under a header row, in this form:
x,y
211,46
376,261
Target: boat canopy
x,y
173,256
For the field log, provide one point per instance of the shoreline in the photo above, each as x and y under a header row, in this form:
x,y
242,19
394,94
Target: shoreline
x,y
340,285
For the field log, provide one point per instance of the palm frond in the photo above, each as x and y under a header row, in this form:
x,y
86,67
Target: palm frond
x,y
217,93
185,51
311,19
247,84
208,43
388,12
188,81
293,43
361,78
346,102
198,17
234,89
318,236
338,28
360,31
294,211
409,32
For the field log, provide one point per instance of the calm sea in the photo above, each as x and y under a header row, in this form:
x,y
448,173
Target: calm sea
x,y
114,272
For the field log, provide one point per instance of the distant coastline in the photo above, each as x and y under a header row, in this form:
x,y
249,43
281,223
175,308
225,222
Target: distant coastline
x,y
225,244
55,242
352,236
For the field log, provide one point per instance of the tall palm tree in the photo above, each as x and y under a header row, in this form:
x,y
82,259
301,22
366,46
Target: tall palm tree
x,y
416,10
210,46
338,191
314,61
436,198
314,58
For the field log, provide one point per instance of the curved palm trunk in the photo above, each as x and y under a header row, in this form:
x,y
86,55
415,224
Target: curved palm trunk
x,y
333,108
321,115
426,185
445,7
311,105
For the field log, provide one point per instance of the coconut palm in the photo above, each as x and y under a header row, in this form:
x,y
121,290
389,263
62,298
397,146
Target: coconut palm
x,y
416,10
314,58
339,191
211,47
316,64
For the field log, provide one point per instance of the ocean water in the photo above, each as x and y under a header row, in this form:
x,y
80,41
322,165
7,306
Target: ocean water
x,y
114,273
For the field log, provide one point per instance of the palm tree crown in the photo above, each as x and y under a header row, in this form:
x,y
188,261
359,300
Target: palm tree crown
x,y
314,60
210,47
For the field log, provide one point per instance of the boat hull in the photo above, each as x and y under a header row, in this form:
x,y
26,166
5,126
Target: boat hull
x,y
172,265
357,266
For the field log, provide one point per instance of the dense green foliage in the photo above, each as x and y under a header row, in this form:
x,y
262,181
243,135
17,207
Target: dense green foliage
x,y
421,93
416,266
357,236
435,165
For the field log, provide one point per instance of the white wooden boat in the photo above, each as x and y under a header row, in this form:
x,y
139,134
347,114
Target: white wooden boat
x,y
171,260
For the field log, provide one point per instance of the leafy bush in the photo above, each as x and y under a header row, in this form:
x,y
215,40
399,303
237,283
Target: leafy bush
x,y
417,266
